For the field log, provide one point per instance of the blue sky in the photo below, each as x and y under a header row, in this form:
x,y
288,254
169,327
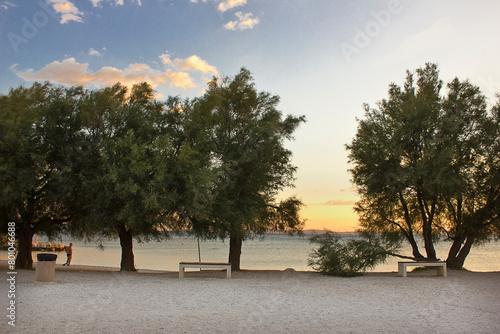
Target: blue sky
x,y
324,58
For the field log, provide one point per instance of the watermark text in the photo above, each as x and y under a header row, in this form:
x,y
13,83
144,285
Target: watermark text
x,y
30,27
372,29
11,274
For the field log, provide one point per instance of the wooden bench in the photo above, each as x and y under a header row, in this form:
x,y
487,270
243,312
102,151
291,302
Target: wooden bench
x,y
201,265
402,266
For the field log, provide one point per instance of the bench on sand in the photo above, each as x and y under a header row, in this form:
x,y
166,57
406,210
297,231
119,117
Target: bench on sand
x,y
201,265
441,266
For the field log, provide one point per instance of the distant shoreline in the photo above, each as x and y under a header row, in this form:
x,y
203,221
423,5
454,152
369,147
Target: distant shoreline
x,y
273,252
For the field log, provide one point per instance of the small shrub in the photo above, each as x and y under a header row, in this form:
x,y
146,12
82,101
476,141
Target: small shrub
x,y
346,256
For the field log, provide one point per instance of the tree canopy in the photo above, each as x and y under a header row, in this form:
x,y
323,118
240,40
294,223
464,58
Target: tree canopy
x,y
250,164
97,164
125,158
115,162
428,163
37,138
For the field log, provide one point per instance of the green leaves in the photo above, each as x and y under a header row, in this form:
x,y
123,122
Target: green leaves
x,y
107,162
124,182
347,255
421,158
40,132
250,163
38,144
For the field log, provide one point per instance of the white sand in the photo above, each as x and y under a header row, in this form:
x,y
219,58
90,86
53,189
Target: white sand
x,y
104,301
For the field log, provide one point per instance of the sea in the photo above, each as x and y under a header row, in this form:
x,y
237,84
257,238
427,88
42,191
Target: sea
x,y
271,252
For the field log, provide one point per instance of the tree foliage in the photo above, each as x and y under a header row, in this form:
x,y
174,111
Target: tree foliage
x,y
427,163
121,155
37,140
95,163
250,164
348,256
140,174
115,162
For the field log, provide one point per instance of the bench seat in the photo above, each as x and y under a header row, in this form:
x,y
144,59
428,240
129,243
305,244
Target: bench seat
x,y
403,265
205,265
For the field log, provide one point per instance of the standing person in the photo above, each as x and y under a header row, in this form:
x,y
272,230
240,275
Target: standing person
x,y
69,253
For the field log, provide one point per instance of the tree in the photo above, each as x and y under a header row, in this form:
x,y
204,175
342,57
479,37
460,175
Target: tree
x,y
471,209
427,163
250,164
39,132
127,157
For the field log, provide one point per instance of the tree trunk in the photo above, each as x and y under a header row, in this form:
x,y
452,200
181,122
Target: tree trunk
x,y
235,244
126,242
455,248
427,235
429,245
414,247
24,260
427,219
409,234
456,261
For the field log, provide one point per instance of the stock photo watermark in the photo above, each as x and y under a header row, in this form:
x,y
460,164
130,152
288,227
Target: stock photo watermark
x,y
372,29
11,273
31,27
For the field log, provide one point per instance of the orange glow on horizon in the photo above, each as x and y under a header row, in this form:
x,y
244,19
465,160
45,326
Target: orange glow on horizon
x,y
338,218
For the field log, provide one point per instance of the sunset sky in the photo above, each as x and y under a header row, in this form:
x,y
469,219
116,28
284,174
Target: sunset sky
x,y
324,58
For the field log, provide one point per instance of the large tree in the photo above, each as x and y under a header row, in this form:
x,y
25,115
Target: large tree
x,y
471,205
39,132
426,163
250,163
127,157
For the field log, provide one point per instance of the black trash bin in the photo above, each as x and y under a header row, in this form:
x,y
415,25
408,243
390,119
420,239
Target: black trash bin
x,y
45,267
46,257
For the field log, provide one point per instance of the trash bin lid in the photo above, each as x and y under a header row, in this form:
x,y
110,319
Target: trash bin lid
x,y
46,257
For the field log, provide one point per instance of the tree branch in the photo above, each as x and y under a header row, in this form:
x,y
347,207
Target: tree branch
x,y
445,231
401,256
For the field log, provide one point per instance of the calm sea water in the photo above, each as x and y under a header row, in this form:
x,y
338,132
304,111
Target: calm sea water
x,y
276,252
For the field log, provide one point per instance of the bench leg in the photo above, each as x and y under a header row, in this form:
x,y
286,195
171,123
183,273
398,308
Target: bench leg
x,y
181,271
402,270
228,273
441,271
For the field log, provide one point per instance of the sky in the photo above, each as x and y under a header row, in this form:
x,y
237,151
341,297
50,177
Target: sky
x,y
324,58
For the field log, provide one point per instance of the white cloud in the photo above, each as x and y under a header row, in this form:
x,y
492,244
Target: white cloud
x,y
228,4
245,21
97,3
6,5
96,53
65,18
193,62
165,59
196,63
69,12
69,72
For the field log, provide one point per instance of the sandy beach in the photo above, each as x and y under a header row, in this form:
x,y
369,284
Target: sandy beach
x,y
86,299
